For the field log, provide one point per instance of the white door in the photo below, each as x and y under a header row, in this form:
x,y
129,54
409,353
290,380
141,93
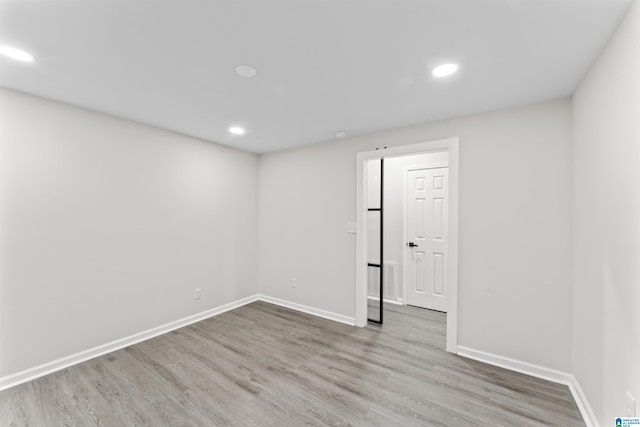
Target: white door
x,y
426,247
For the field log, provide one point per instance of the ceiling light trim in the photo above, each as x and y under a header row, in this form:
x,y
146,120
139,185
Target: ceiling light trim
x,y
445,70
17,54
237,130
246,71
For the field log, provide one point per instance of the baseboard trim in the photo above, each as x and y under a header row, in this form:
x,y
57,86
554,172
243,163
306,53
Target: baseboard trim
x,y
386,300
539,372
309,310
74,359
492,359
515,365
583,404
62,363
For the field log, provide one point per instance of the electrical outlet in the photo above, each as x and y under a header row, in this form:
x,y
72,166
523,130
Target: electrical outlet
x,y
631,405
294,282
198,293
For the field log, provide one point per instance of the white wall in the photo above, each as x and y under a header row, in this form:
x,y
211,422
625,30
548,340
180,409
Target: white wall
x,y
514,265
107,227
606,225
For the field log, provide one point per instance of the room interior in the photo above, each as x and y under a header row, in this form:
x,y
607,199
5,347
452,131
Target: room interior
x,y
129,207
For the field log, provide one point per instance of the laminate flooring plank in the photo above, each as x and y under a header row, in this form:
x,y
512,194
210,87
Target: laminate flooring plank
x,y
382,394
210,391
297,343
82,380
152,387
294,406
72,407
127,409
450,400
84,409
331,401
17,410
250,348
265,365
502,391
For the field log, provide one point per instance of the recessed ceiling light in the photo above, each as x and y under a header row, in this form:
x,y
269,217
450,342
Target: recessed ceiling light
x,y
236,130
16,53
445,70
246,71
341,134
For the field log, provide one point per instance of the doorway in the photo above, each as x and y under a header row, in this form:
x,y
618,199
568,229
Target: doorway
x,y
435,183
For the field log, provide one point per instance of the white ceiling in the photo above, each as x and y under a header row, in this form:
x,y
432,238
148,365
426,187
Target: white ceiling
x,y
324,66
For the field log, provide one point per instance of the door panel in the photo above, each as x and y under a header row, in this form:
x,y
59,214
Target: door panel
x,y
427,204
419,268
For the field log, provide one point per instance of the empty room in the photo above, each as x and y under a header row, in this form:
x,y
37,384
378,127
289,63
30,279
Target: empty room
x,y
284,213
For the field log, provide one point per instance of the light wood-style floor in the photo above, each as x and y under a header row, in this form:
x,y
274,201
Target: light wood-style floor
x,y
263,365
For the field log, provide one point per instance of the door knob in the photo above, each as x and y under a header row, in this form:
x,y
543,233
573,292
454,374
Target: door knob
x,y
412,245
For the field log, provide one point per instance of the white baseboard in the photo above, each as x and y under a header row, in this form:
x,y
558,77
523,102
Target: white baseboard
x,y
583,404
309,310
65,362
539,372
62,363
390,301
515,365
492,359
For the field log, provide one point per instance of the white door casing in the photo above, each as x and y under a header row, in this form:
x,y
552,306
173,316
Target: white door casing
x,y
426,253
